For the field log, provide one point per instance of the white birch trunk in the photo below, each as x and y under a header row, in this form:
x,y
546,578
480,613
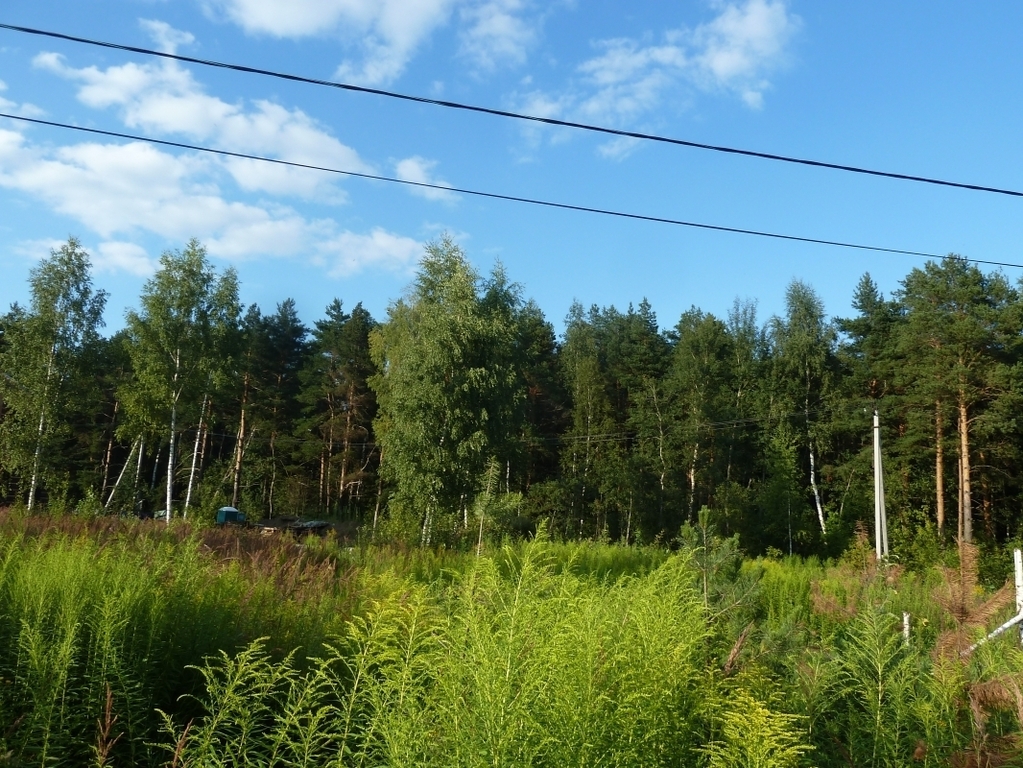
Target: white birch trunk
x,y
195,456
173,429
117,482
37,458
170,461
816,492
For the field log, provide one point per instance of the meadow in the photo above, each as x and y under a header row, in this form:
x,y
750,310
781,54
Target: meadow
x,y
141,644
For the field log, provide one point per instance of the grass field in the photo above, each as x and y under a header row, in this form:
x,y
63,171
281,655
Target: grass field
x,y
134,643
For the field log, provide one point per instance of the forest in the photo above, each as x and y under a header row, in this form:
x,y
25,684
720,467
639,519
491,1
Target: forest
x,y
621,545
464,415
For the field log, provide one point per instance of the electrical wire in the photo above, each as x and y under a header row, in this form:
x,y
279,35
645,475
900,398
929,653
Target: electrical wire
x,y
514,115
496,196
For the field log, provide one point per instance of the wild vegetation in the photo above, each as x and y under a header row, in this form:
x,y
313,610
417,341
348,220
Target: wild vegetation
x,y
462,414
626,545
134,643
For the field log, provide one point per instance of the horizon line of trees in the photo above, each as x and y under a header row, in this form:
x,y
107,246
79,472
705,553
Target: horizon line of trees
x,y
463,413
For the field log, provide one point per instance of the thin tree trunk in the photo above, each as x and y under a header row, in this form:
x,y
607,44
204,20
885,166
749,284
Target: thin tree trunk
x,y
346,444
330,458
38,457
173,429
195,455
109,451
170,462
813,458
380,493
816,492
660,457
156,468
939,467
117,482
138,475
692,480
964,451
425,535
239,446
321,496
628,522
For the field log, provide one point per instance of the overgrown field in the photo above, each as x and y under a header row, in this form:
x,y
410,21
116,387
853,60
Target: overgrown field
x,y
131,644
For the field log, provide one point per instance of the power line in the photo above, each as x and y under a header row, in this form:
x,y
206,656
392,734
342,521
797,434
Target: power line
x,y
514,115
495,195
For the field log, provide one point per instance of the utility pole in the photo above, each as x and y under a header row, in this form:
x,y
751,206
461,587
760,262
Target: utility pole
x,y
880,521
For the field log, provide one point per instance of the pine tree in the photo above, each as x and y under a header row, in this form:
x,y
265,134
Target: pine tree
x,y
339,406
958,345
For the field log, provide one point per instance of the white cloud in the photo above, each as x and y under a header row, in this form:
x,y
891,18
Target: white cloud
x,y
119,256
163,98
165,36
738,48
735,53
419,170
387,32
118,191
497,32
26,109
619,148
349,252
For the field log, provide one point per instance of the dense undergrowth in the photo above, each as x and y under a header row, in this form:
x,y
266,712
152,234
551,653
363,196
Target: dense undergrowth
x,y
125,644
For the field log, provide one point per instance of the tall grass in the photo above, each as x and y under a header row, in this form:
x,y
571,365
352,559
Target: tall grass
x,y
81,616
126,644
519,662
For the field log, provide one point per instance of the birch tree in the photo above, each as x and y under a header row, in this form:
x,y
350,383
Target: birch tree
x,y
177,342
44,360
803,345
449,387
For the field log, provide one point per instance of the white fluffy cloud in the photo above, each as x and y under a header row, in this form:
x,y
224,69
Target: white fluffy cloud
x,y
119,256
12,107
165,36
735,53
498,32
349,252
419,170
119,191
737,49
163,98
387,33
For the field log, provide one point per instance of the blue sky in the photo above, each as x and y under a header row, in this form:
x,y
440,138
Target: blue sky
x,y
932,89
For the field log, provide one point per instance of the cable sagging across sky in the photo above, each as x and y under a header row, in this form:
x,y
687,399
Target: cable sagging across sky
x,y
498,196
517,115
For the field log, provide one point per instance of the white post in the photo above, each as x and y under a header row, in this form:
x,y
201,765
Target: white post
x,y
905,626
880,520
1017,559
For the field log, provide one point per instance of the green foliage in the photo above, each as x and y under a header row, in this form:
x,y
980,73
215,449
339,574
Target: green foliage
x,y
515,664
449,387
179,344
47,363
754,736
220,648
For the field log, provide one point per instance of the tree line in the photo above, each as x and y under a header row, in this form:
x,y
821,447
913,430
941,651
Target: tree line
x,y
464,414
